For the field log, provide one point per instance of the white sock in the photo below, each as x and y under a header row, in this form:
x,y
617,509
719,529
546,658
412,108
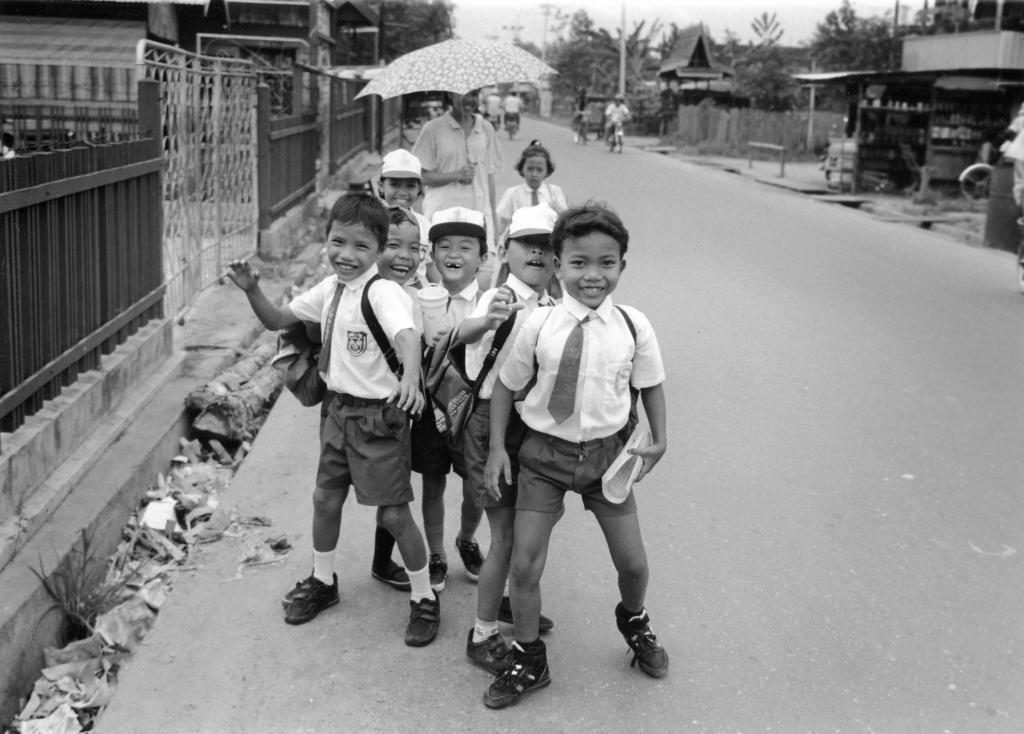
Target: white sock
x,y
505,592
420,582
323,566
482,630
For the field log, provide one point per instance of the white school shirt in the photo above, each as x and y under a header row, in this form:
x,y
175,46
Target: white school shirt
x,y
607,368
357,366
461,304
518,196
477,351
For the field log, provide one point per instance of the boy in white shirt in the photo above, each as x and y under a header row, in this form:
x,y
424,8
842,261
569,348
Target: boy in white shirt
x,y
584,358
364,431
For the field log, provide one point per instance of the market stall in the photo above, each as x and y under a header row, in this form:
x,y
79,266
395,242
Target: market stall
x,y
901,121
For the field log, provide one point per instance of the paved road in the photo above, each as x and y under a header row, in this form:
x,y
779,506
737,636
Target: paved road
x,y
836,534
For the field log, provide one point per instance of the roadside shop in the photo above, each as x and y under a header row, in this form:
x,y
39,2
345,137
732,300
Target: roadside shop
x,y
900,122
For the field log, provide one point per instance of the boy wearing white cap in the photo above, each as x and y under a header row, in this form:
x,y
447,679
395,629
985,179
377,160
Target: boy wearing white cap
x,y
459,246
493,325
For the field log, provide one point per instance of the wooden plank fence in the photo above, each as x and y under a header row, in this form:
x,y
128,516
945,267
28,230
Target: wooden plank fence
x,y
720,130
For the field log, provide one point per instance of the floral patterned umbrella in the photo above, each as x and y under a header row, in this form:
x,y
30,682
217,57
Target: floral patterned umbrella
x,y
456,66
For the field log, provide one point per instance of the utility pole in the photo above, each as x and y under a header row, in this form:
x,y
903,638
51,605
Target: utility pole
x,y
547,8
622,54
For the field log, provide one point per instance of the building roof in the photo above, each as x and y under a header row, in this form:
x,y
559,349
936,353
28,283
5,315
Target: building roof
x,y
692,58
82,41
355,12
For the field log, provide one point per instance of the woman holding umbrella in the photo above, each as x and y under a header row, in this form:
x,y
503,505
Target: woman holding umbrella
x,y
460,154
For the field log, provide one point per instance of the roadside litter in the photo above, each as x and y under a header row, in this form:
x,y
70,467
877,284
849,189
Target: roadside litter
x,y
183,511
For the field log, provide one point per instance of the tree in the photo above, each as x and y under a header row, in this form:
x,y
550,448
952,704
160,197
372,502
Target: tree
x,y
767,29
845,42
413,24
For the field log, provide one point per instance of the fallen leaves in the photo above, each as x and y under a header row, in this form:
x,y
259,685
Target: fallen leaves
x,y
183,510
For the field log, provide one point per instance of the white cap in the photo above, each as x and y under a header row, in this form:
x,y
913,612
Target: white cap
x,y
401,164
529,220
457,221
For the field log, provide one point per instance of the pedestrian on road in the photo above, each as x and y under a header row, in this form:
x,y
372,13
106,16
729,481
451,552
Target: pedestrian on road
x,y
530,258
581,357
460,154
535,166
459,248
364,436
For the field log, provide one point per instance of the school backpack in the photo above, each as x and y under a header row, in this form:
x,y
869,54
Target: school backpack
x,y
451,393
297,361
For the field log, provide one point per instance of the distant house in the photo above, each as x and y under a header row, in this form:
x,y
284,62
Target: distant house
x,y
691,74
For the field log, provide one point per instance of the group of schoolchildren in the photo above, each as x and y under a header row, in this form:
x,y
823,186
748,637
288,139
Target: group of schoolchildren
x,y
555,385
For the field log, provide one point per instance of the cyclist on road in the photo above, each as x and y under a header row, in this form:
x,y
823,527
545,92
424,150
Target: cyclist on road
x,y
615,114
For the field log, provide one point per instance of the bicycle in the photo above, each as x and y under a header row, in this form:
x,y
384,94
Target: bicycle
x,y
615,138
975,180
580,125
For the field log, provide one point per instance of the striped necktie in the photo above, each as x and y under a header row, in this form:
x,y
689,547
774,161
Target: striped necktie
x,y
534,197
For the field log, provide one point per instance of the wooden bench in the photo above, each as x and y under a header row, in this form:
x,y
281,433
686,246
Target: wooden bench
x,y
924,221
752,146
853,202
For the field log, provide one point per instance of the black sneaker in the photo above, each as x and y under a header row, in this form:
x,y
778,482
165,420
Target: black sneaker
x,y
310,597
438,572
527,674
491,654
505,615
392,574
647,652
469,551
424,619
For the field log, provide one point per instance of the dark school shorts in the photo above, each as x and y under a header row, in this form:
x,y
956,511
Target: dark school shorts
x,y
432,454
365,443
549,467
477,446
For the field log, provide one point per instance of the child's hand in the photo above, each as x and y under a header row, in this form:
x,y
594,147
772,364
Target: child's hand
x,y
438,337
502,306
407,397
651,455
498,466
243,274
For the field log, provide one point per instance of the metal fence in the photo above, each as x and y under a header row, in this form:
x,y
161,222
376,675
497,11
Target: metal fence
x,y
81,264
209,145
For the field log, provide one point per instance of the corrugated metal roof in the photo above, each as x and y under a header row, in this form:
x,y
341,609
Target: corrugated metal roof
x,y
83,41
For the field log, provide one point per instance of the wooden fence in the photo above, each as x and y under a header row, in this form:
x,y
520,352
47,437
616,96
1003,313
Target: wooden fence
x,y
720,130
81,232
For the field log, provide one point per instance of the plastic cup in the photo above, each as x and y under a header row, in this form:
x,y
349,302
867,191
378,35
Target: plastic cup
x,y
433,302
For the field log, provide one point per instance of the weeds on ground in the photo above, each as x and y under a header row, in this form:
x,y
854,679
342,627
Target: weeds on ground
x,y
82,588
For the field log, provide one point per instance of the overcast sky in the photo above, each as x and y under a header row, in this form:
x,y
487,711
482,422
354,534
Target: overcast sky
x,y
798,18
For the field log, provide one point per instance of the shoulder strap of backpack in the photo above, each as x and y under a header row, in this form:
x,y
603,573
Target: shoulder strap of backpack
x,y
373,324
629,323
324,360
500,337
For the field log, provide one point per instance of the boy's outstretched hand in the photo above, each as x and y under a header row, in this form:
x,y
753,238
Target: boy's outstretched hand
x,y
651,455
498,466
502,306
243,274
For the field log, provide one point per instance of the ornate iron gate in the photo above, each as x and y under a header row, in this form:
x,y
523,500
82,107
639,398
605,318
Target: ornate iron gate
x,y
208,106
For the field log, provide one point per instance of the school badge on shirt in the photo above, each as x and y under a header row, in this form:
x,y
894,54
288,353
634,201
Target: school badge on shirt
x,y
356,343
